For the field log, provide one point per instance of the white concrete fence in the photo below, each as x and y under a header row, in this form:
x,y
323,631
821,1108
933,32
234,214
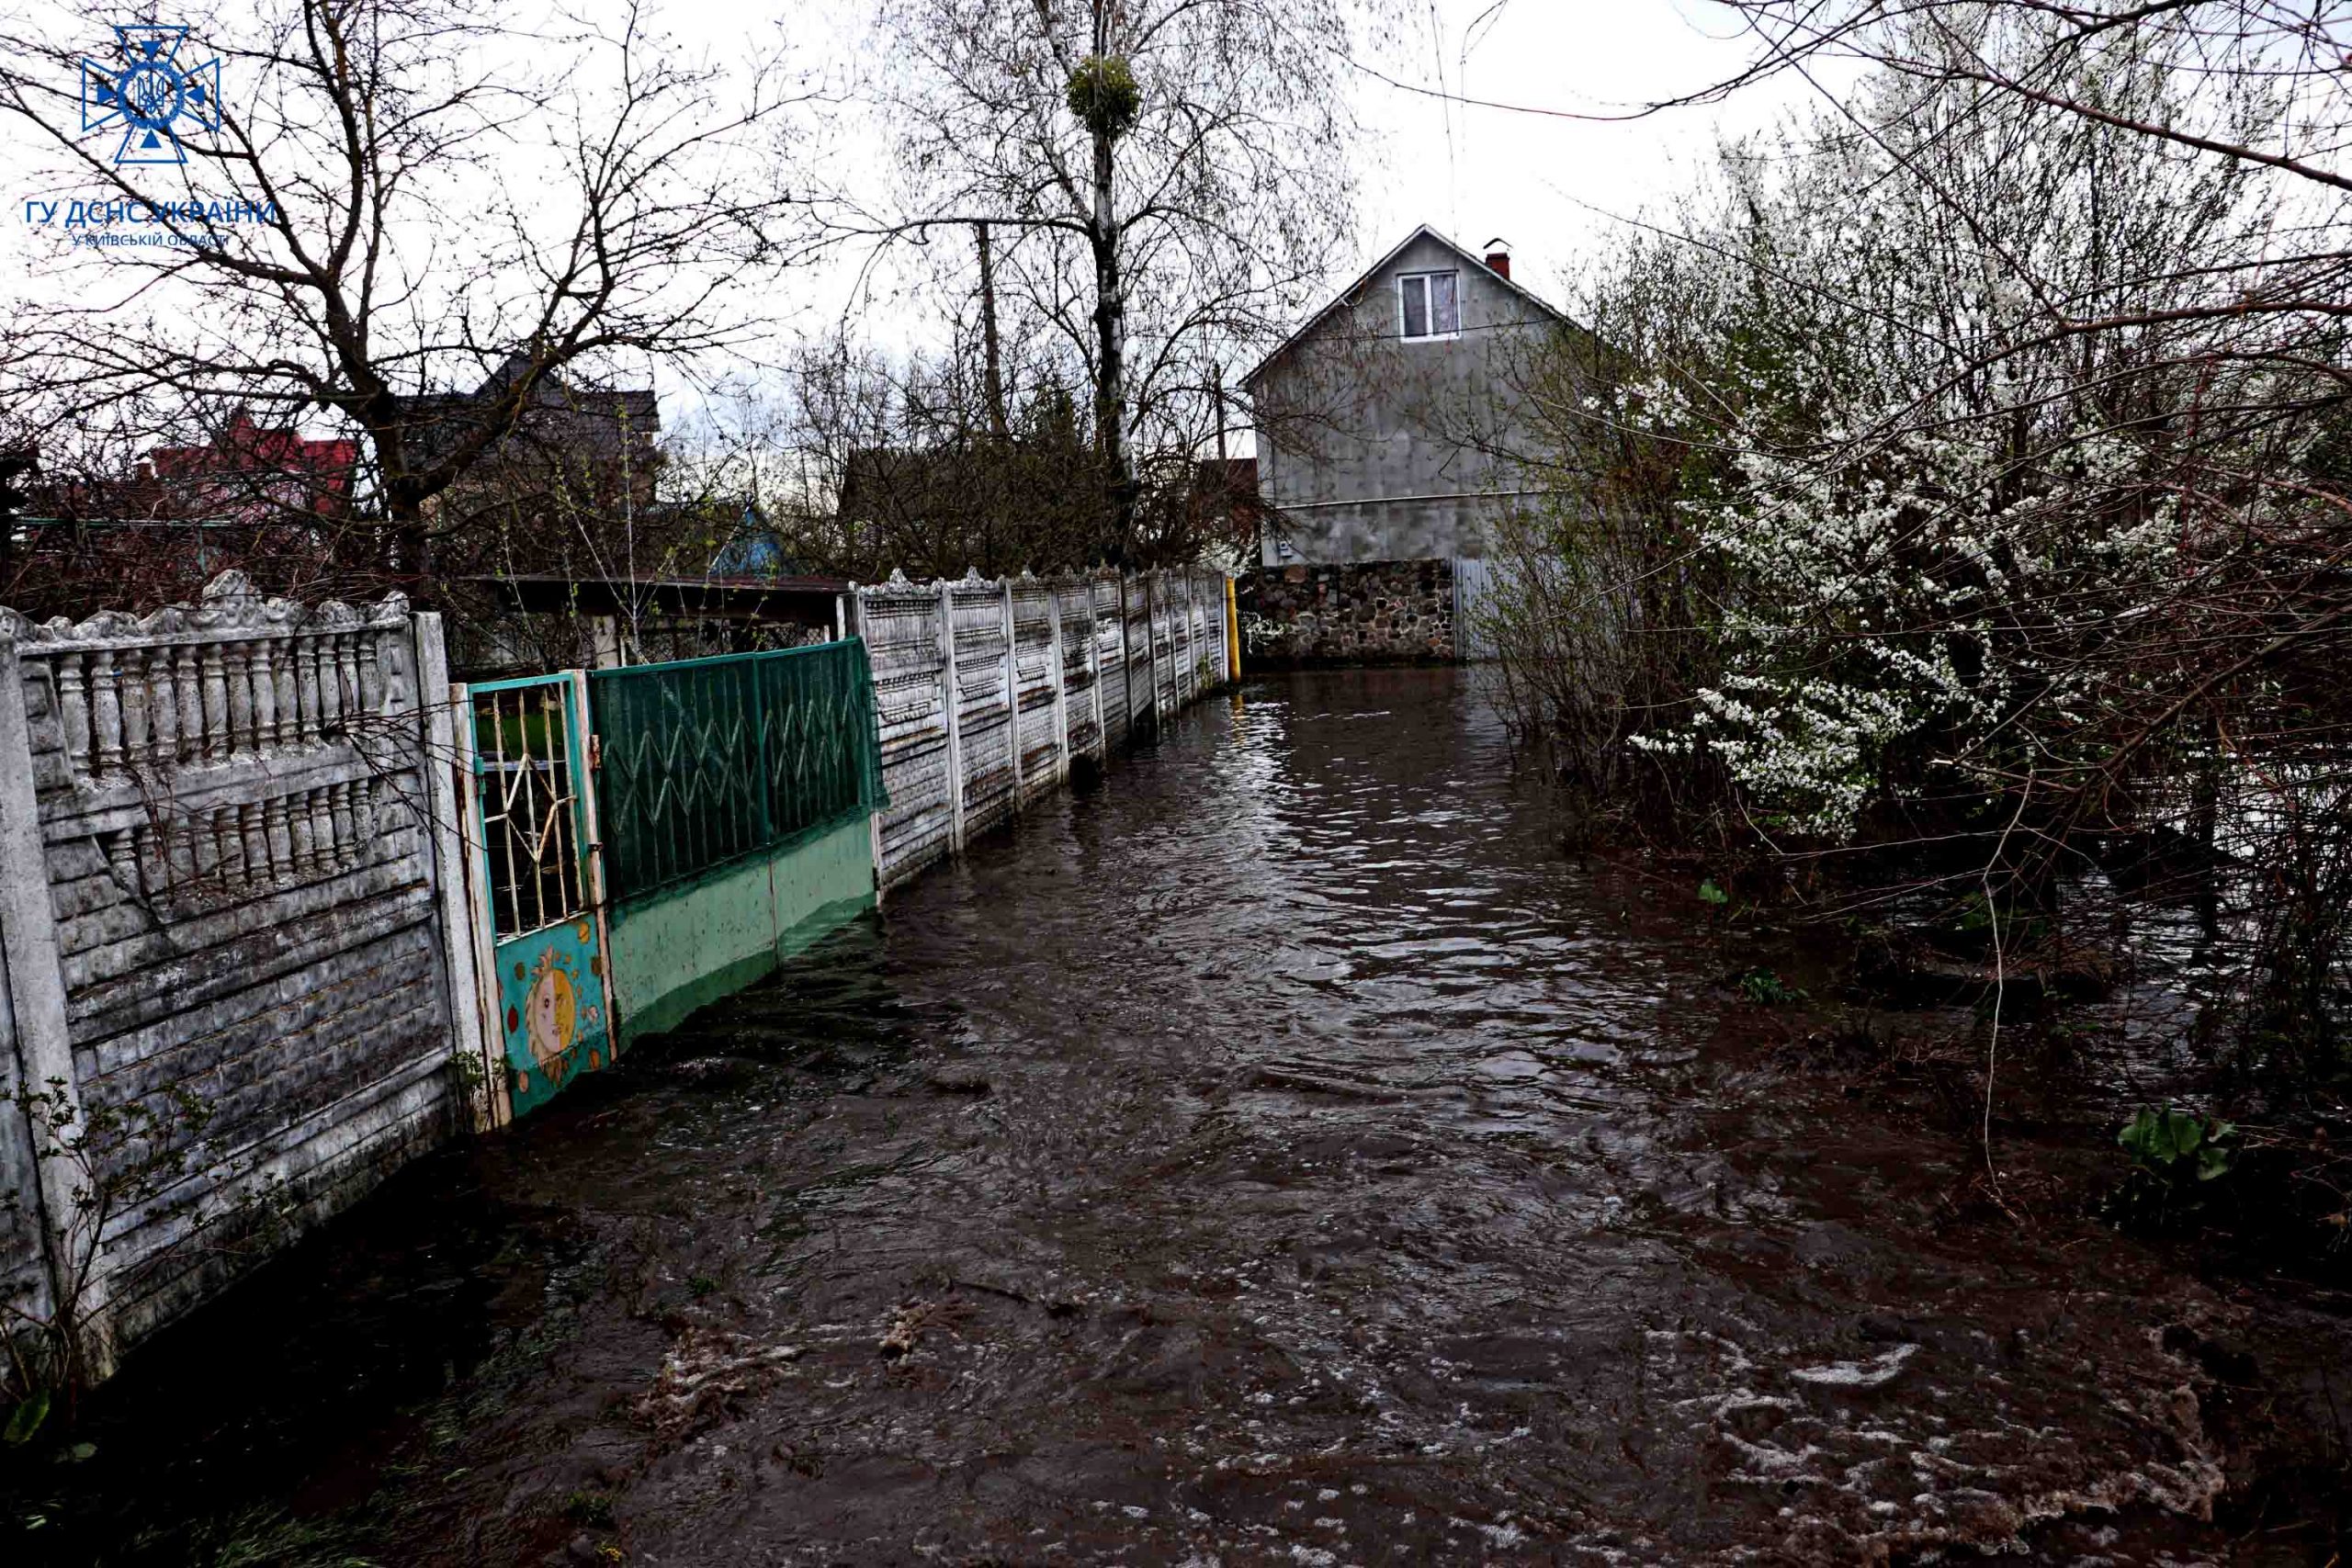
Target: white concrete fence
x,y
988,691
233,907
219,947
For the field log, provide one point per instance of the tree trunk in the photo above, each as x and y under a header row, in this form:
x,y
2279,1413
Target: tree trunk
x,y
1111,348
404,548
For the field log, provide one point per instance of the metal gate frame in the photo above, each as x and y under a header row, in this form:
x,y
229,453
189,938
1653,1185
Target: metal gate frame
x,y
498,1097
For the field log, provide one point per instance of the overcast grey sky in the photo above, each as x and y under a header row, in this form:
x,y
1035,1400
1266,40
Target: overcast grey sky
x,y
1555,186
1545,183
1549,185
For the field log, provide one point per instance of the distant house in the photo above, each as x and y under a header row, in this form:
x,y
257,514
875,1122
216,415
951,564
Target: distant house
x,y
248,475
752,548
576,446
266,499
254,473
1388,428
1383,423
721,581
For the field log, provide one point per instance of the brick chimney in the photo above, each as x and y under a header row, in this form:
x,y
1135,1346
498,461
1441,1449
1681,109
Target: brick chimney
x,y
1499,256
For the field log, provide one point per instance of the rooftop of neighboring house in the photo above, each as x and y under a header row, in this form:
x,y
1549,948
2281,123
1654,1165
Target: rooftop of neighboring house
x,y
1493,266
248,473
581,418
754,549
246,447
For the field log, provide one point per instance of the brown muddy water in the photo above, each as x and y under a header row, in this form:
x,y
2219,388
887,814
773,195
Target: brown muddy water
x,y
1277,1151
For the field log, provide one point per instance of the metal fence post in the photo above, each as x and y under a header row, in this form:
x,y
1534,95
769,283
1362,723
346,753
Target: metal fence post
x,y
498,1099
1232,633
592,851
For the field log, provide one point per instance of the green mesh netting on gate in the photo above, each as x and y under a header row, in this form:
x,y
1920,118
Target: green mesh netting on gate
x,y
706,760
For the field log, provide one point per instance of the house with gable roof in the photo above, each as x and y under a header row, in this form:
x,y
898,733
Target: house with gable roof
x,y
1386,425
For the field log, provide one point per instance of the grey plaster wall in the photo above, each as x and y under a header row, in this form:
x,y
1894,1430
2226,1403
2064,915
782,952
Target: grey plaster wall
x,y
241,917
1375,447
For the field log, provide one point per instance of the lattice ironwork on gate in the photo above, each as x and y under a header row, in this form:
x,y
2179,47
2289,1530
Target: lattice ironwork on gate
x,y
708,761
530,803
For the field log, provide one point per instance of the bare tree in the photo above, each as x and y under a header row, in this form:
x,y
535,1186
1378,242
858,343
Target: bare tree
x,y
365,201
1166,179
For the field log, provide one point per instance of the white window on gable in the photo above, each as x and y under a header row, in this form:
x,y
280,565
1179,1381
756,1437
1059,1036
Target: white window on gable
x,y
1429,304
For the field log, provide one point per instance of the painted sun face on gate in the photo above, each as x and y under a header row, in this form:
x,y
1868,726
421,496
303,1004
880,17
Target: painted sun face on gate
x,y
555,1028
551,1015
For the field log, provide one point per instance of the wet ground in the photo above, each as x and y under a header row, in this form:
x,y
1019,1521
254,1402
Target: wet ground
x,y
1278,1151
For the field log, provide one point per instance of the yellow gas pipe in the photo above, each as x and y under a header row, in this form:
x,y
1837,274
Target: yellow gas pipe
x,y
1232,634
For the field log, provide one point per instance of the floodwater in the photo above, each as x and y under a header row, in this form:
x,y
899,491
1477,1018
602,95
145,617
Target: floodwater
x,y
1279,1150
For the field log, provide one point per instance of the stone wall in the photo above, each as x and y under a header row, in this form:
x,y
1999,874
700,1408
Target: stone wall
x,y
221,924
1367,613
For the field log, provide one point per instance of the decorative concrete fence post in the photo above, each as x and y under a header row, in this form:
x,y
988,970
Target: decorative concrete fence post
x,y
1013,690
951,700
449,799
32,982
1094,654
1061,685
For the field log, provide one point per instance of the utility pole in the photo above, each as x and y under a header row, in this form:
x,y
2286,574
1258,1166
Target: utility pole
x,y
1216,401
993,359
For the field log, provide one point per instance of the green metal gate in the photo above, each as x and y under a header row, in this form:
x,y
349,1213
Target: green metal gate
x,y
707,762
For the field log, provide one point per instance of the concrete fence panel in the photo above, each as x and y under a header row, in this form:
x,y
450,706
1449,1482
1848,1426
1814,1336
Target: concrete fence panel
x,y
1135,595
1036,682
900,625
985,719
1110,659
1080,645
981,671
221,923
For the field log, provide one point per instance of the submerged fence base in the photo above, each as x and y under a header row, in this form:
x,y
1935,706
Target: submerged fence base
x,y
281,908
738,795
678,949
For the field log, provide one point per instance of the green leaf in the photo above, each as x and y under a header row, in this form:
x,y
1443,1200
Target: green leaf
x,y
1711,894
26,1418
2183,1131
